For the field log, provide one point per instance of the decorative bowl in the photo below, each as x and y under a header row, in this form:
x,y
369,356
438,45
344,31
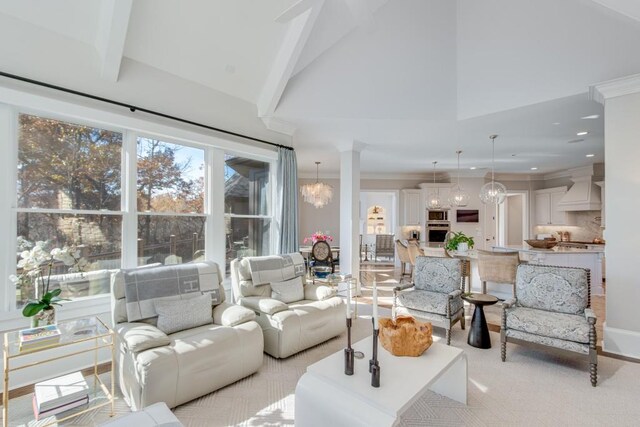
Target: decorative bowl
x,y
321,272
542,244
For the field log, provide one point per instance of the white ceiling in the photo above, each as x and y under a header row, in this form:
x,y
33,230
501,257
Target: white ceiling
x,y
411,80
225,45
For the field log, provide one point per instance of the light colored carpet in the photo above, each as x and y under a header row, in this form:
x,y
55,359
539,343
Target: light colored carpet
x,y
533,387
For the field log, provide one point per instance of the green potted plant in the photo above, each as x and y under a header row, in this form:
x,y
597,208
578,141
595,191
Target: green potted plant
x,y
458,241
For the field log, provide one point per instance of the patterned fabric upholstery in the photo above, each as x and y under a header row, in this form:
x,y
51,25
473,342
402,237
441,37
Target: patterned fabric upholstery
x,y
437,283
551,308
433,302
550,342
559,289
438,274
570,327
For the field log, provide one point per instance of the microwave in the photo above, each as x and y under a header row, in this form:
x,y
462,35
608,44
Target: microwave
x,y
438,215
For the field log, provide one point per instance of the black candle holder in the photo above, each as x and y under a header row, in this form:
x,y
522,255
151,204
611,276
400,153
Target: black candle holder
x,y
374,365
348,352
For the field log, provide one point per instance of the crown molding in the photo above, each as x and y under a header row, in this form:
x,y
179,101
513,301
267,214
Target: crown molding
x,y
613,88
515,177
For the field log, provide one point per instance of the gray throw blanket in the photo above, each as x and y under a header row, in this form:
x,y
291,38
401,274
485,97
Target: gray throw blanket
x,y
143,286
276,268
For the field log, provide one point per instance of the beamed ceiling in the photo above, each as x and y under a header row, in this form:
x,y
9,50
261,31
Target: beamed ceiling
x,y
411,81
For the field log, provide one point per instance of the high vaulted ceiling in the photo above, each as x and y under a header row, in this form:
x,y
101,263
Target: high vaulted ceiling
x,y
410,80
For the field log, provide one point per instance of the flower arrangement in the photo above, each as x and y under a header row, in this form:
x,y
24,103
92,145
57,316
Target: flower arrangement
x,y
36,263
318,236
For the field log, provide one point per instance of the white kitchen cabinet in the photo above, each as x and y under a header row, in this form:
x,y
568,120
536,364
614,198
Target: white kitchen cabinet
x,y
413,211
546,207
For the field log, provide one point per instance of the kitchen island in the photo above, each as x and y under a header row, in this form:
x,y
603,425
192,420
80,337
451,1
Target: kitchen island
x,y
566,257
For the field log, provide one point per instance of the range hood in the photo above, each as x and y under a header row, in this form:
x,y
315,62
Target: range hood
x,y
584,195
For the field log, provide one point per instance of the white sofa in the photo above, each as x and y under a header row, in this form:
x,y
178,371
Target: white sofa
x,y
289,327
175,368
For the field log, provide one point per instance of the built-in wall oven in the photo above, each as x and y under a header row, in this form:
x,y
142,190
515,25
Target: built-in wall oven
x,y
437,233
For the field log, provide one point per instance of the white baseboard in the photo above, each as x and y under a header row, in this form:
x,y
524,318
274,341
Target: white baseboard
x,y
621,342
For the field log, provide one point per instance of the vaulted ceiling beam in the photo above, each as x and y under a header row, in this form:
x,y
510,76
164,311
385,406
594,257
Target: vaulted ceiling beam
x,y
111,35
630,8
300,23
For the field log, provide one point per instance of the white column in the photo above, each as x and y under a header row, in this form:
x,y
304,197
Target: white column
x,y
349,210
621,99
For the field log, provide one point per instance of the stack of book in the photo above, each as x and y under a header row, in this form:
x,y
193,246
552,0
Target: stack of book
x,y
44,336
59,394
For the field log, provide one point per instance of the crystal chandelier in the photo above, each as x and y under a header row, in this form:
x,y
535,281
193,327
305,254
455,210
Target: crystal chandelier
x,y
318,193
458,197
433,200
493,192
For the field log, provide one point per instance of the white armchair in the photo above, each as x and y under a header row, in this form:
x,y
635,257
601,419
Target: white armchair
x,y
315,316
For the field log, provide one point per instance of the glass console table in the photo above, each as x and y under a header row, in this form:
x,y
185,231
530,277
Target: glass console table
x,y
78,336
341,283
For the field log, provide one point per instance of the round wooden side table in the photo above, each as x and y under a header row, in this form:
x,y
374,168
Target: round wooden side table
x,y
479,332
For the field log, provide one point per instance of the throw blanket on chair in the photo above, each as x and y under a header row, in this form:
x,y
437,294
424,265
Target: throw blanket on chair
x,y
142,286
276,268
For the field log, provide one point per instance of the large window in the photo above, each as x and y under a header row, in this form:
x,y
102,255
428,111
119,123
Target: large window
x,y
68,192
247,207
170,199
120,199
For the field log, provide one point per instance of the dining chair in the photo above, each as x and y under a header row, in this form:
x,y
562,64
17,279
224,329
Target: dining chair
x,y
321,255
384,246
403,253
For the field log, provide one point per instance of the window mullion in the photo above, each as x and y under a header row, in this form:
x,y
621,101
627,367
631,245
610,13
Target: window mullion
x,y
129,202
215,241
8,162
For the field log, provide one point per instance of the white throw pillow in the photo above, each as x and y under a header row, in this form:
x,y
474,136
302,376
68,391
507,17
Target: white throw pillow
x,y
180,314
288,291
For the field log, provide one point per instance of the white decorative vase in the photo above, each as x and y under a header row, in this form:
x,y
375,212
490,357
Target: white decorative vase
x,y
44,318
463,247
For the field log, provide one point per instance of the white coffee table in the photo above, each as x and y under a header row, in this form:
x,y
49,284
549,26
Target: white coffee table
x,y
326,396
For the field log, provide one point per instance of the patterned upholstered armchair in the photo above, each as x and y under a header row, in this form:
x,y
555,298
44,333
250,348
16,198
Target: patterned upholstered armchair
x,y
551,309
435,294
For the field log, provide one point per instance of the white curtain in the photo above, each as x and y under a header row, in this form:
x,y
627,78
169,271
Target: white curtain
x,y
288,200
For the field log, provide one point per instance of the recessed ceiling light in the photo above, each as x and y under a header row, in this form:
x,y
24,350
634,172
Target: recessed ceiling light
x,y
590,155
574,141
584,132
534,169
555,123
473,168
591,117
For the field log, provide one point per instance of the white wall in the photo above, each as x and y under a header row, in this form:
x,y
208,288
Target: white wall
x,y
622,148
325,219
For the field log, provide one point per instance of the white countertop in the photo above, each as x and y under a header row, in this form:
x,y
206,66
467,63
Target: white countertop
x,y
557,249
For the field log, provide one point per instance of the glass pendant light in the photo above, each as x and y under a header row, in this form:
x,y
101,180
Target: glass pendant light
x,y
458,197
493,192
433,200
318,194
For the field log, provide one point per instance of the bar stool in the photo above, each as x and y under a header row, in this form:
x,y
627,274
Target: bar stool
x,y
497,267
